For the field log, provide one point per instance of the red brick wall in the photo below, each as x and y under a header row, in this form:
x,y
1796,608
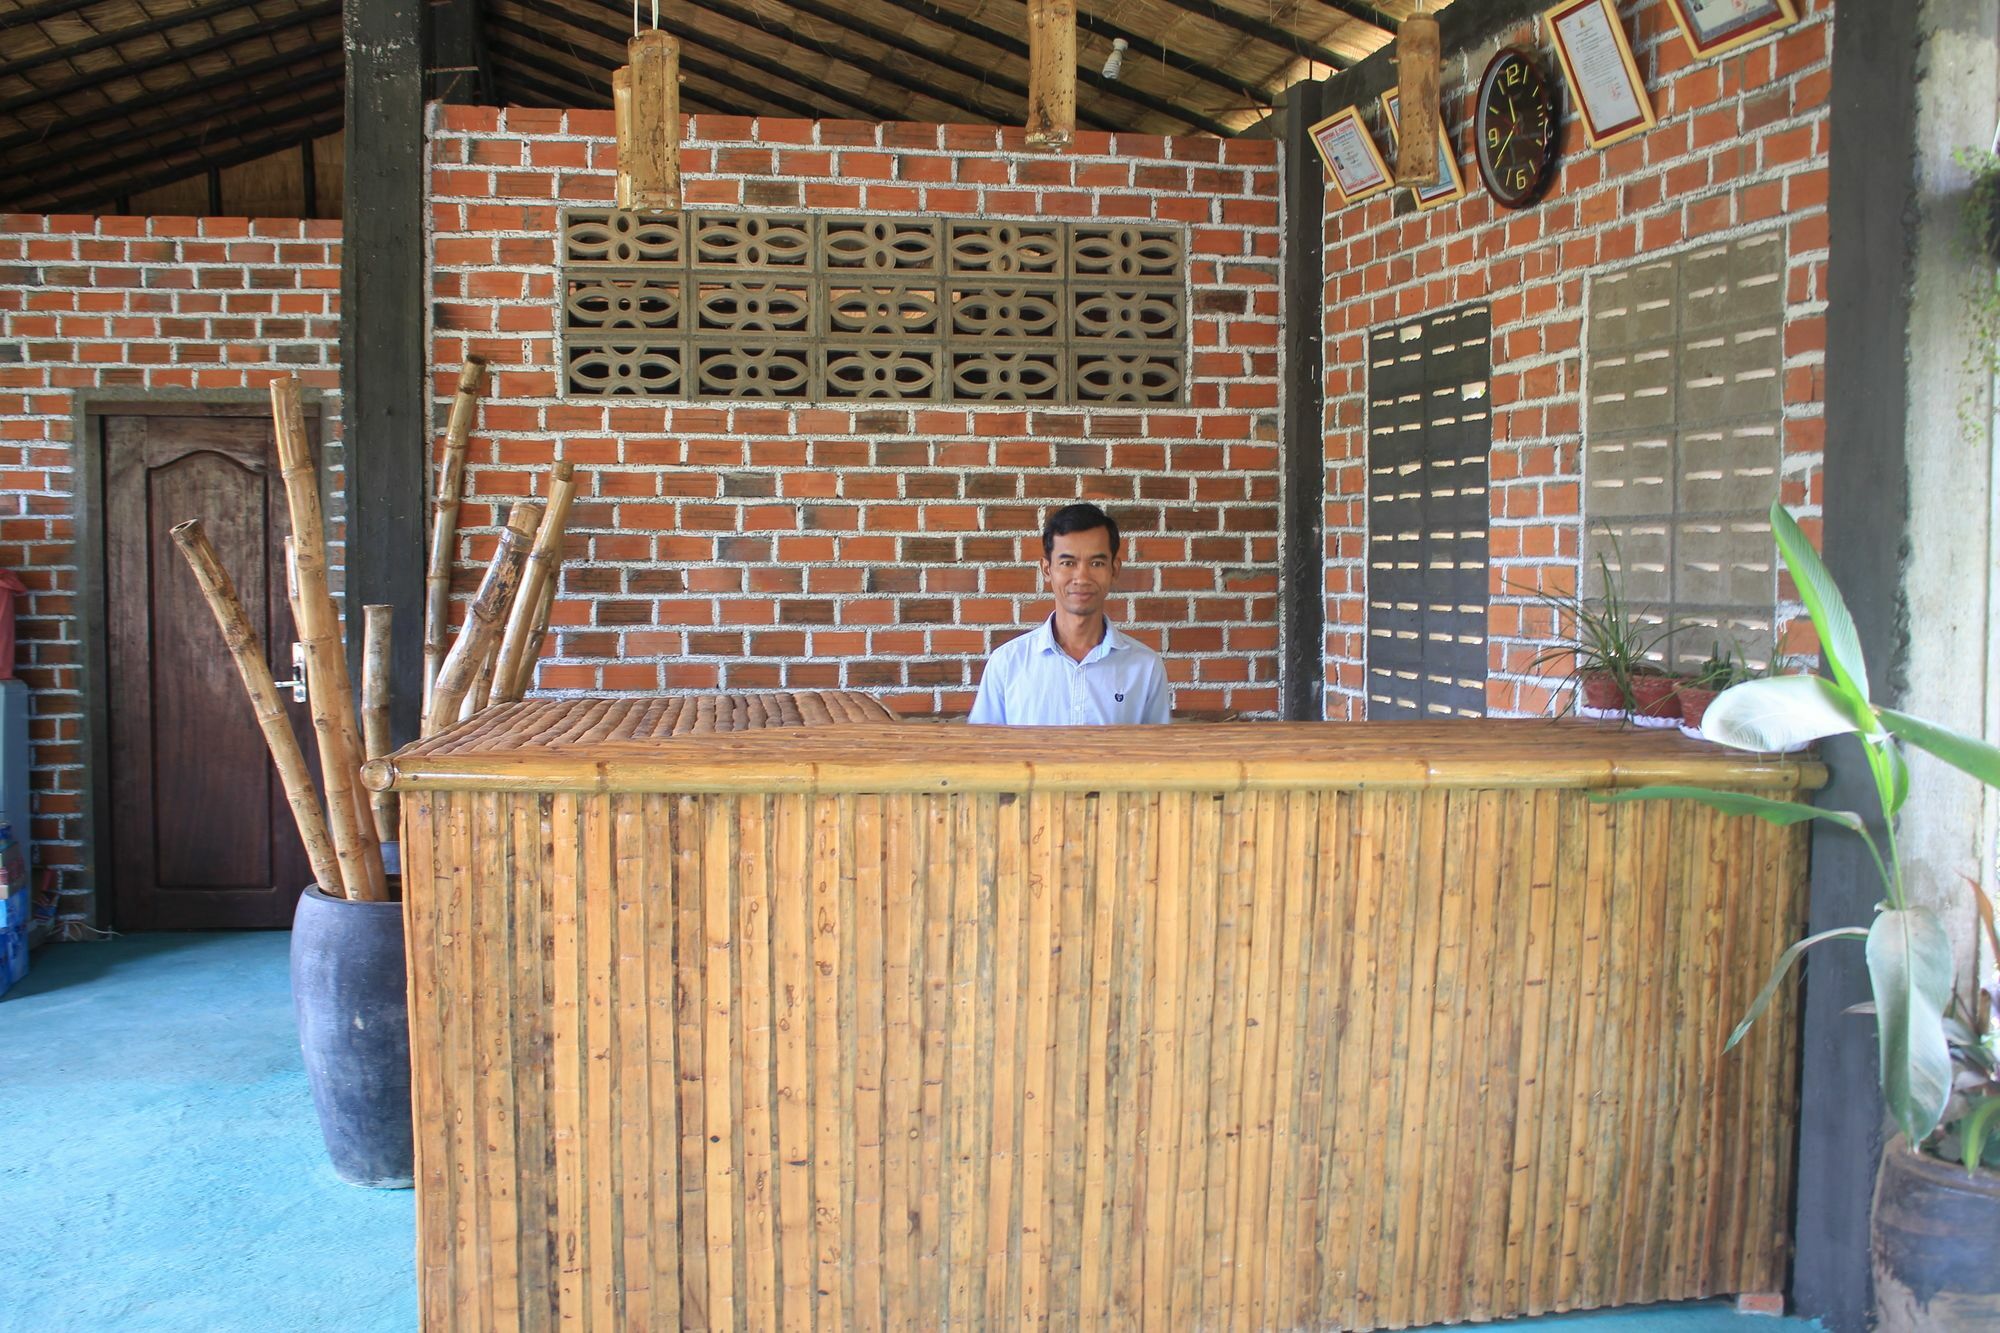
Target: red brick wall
x,y
116,306
773,545
1741,148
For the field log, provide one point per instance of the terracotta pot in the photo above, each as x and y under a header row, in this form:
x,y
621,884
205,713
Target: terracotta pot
x,y
1932,1233
1653,696
1602,691
1695,700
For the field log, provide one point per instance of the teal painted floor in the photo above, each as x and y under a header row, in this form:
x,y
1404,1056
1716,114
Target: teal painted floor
x,y
160,1168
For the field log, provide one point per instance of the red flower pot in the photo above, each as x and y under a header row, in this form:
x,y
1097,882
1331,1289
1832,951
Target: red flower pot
x,y
1602,692
1695,700
1654,696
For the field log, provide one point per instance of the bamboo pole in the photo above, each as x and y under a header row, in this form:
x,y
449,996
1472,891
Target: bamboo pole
x,y
535,578
241,639
354,841
482,679
1051,73
621,120
1417,59
483,619
444,525
375,626
524,676
649,139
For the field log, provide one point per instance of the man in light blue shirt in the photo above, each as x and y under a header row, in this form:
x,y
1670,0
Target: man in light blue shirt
x,y
1076,668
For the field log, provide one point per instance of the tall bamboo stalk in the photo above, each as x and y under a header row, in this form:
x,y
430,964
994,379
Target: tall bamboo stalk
x,y
241,639
354,841
537,633
376,622
444,525
482,679
484,617
535,577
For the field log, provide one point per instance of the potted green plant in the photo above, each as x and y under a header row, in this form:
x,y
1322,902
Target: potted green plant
x,y
1933,1223
1723,668
1603,647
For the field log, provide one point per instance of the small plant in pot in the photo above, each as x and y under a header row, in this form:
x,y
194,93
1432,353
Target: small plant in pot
x,y
1604,651
1933,1221
1725,667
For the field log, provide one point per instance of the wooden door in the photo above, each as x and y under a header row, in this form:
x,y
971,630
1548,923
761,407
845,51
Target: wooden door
x,y
201,837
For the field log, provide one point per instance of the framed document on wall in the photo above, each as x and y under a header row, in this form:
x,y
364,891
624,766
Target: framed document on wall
x,y
1611,96
1350,155
1451,181
1717,25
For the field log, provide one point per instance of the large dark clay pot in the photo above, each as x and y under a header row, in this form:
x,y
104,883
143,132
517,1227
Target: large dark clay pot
x,y
352,998
1935,1233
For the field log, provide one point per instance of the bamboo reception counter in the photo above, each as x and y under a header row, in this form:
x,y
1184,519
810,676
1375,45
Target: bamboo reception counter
x,y
1256,1025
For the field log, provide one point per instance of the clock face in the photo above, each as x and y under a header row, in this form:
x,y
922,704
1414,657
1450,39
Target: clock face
x,y
1515,128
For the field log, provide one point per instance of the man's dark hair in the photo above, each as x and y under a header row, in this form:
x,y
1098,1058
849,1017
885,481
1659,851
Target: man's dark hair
x,y
1076,518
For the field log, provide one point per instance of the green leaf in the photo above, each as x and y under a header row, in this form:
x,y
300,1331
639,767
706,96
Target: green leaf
x,y
1781,713
1785,961
1909,964
1964,753
1736,803
1974,1128
1837,637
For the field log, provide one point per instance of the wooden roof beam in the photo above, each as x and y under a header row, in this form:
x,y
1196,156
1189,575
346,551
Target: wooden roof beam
x,y
720,77
563,87
1250,26
775,69
235,74
108,184
987,78
1155,49
1370,15
119,36
328,9
48,9
796,37
1015,46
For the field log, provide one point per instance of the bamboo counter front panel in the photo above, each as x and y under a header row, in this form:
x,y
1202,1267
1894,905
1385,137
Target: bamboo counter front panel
x,y
1257,1026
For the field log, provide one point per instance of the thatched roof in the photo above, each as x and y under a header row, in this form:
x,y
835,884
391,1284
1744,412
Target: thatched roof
x,y
104,102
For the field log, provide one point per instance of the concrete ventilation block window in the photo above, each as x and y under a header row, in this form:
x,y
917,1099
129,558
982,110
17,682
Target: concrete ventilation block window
x,y
1682,441
1429,429
826,308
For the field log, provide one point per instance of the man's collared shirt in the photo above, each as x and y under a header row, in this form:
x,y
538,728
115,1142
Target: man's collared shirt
x,y
1031,682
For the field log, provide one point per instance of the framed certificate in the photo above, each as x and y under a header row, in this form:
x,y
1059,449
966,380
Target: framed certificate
x,y
1350,155
1611,97
1450,182
1718,25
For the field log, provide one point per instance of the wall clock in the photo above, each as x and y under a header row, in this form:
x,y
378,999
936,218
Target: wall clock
x,y
1514,127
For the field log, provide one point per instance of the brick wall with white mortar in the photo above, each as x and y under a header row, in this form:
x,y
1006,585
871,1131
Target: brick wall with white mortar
x,y
1740,148
760,545
127,306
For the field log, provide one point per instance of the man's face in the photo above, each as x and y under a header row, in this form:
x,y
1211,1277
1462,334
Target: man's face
x,y
1080,570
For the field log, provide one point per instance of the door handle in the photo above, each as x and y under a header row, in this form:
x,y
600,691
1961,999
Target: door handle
x,y
297,684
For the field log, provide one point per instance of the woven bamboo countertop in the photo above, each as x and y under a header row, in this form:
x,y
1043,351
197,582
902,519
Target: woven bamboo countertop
x,y
850,743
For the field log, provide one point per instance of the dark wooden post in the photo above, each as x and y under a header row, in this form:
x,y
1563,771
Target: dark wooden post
x,y
1871,195
1302,451
382,353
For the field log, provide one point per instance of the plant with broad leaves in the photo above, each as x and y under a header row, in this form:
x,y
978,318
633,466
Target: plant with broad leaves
x,y
1922,1029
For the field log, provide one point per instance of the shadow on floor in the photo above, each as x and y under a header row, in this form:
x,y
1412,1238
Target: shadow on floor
x,y
163,1170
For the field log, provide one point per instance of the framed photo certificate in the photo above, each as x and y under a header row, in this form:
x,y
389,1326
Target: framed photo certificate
x,y
1450,182
1350,155
1611,97
1718,25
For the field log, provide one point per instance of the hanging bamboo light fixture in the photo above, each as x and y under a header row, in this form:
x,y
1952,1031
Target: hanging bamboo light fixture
x,y
1051,73
1418,56
646,104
